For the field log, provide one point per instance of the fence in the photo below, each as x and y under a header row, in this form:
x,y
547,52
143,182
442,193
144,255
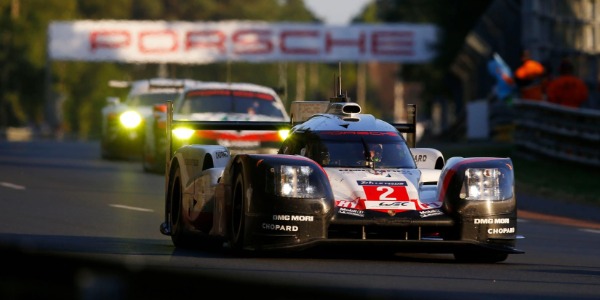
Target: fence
x,y
556,131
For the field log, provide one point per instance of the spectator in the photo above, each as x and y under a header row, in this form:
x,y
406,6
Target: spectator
x,y
529,78
504,89
567,89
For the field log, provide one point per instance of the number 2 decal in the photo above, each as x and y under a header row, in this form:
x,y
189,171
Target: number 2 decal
x,y
386,192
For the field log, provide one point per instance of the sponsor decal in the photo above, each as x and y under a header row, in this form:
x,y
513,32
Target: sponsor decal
x,y
351,170
221,154
501,230
378,170
347,204
420,158
430,213
384,190
293,218
209,42
428,205
278,227
492,221
351,212
390,205
380,183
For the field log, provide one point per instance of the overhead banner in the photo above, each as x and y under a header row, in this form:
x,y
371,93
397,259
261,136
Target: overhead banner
x,y
248,41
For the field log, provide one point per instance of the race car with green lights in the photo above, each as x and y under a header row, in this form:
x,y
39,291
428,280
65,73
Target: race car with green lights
x,y
219,102
341,178
122,121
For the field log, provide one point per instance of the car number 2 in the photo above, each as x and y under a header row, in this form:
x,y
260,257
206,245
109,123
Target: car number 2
x,y
383,193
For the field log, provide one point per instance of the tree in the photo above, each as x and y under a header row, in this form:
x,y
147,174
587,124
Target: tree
x,y
31,86
454,19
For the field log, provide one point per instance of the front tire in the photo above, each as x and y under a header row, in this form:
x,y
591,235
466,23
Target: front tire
x,y
238,217
174,214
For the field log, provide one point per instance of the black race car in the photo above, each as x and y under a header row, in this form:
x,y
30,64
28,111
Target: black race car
x,y
341,178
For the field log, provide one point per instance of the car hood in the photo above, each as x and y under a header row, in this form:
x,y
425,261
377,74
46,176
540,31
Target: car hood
x,y
379,189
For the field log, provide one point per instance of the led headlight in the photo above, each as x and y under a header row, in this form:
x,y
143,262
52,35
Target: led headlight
x,y
294,182
130,119
482,184
183,133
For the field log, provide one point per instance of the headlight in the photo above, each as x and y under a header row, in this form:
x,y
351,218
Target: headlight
x,y
482,184
183,133
294,182
283,134
130,119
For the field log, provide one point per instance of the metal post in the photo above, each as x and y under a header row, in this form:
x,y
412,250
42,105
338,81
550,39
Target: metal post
x,y
411,118
169,132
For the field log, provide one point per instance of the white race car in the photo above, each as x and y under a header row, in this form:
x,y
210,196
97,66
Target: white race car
x,y
341,178
218,102
122,122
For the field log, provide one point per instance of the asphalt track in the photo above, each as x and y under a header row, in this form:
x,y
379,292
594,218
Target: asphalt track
x,y
559,211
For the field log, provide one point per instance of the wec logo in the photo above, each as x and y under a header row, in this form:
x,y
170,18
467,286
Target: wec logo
x,y
390,205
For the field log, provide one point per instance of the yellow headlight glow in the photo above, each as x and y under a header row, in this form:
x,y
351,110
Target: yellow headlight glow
x,y
283,134
130,119
183,133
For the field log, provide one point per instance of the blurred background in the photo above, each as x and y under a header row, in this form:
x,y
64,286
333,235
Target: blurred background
x,y
64,98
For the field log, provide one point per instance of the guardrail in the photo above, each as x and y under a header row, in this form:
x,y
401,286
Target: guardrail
x,y
557,131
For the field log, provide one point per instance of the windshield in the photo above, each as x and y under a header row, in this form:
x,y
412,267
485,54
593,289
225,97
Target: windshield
x,y
353,149
227,101
150,99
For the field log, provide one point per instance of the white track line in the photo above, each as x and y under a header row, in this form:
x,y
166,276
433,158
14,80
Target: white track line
x,y
131,207
12,186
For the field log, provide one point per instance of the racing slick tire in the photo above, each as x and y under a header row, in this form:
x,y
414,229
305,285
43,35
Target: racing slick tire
x,y
238,217
174,216
480,257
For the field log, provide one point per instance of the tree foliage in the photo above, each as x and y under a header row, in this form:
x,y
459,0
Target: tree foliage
x,y
453,18
28,79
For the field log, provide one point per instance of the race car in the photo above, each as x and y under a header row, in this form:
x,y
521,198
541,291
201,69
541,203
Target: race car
x,y
216,101
342,178
122,122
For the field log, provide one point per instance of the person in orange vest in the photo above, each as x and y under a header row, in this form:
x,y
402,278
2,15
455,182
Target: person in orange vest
x,y
530,78
567,89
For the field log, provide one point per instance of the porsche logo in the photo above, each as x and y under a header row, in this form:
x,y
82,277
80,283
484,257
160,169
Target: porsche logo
x,y
391,213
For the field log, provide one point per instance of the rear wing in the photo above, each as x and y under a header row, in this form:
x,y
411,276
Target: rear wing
x,y
408,128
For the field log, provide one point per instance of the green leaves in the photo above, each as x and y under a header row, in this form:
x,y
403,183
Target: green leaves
x,y
74,92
